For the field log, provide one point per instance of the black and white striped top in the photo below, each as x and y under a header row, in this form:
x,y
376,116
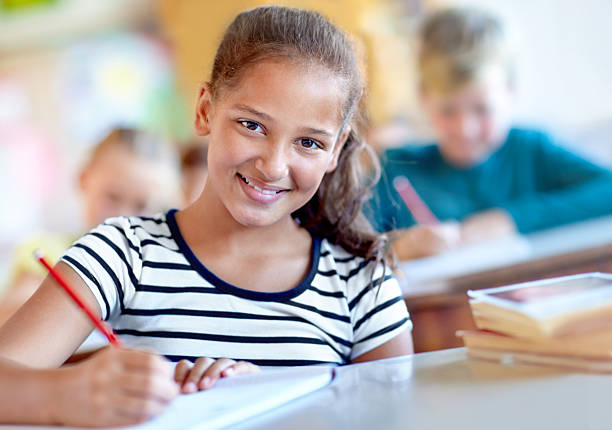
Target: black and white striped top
x,y
157,295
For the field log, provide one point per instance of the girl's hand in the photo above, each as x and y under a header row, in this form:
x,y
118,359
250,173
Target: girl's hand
x,y
115,387
206,371
425,240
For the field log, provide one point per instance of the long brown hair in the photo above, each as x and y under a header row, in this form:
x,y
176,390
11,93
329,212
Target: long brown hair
x,y
334,212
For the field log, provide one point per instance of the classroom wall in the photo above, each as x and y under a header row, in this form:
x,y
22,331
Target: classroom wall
x,y
195,28
86,68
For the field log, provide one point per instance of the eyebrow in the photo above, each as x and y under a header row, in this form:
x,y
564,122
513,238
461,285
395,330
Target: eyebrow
x,y
265,116
255,112
309,130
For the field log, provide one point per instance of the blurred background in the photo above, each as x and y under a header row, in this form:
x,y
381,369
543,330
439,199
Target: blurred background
x,y
70,70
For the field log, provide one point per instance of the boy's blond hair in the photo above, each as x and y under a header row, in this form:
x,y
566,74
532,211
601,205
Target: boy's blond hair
x,y
457,45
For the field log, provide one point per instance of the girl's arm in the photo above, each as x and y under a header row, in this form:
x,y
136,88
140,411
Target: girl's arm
x,y
49,327
17,293
116,387
381,323
113,387
398,346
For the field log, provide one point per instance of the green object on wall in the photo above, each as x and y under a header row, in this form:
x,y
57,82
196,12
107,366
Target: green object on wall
x,y
21,5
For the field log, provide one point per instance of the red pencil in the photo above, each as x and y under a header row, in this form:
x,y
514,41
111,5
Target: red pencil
x,y
100,325
417,207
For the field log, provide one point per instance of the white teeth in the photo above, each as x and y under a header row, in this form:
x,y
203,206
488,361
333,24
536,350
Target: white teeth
x,y
261,190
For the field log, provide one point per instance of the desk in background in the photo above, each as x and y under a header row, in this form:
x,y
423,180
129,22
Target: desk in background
x,y
445,389
435,288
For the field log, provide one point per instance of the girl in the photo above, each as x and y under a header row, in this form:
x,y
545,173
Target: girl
x,y
274,264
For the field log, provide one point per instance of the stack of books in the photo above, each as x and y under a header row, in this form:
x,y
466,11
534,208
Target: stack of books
x,y
563,322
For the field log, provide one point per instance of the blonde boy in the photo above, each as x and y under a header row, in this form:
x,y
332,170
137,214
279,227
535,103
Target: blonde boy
x,y
483,178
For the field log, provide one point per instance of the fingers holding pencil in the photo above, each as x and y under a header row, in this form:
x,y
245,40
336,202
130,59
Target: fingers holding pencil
x,y
425,240
115,387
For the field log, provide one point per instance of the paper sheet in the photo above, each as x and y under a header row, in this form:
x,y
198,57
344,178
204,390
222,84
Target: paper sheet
x,y
464,260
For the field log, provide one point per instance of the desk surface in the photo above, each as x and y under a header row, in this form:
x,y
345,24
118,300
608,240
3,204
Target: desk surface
x,y
508,260
445,389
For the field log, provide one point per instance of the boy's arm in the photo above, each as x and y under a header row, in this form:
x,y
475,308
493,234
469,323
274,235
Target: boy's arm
x,y
569,189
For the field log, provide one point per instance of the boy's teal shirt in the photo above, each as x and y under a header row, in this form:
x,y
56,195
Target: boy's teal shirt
x,y
539,183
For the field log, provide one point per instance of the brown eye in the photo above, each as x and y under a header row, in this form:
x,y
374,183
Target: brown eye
x,y
251,125
309,143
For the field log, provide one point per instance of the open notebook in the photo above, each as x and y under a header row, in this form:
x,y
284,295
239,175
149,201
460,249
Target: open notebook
x,y
234,399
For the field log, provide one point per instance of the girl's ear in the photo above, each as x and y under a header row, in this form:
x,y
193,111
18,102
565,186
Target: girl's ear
x,y
203,111
338,149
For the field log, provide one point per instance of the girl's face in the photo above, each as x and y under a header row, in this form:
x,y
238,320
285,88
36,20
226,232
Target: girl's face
x,y
273,136
472,122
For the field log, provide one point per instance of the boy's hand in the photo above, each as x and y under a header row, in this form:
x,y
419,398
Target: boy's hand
x,y
425,240
206,371
487,225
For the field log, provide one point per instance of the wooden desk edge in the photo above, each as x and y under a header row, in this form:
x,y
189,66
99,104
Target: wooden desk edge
x,y
450,292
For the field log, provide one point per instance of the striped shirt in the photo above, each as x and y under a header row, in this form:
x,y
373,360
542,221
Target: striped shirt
x,y
157,295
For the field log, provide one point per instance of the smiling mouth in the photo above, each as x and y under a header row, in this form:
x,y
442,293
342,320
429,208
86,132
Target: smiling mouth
x,y
258,189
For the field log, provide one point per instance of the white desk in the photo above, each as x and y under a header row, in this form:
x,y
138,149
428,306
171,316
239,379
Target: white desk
x,y
435,390
444,389
453,270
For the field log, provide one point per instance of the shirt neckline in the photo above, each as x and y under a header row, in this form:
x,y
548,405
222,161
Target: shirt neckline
x,y
232,289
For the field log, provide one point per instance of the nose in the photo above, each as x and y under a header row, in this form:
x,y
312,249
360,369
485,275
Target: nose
x,y
273,162
467,126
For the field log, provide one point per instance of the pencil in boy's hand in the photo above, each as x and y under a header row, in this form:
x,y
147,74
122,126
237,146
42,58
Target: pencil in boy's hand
x,y
100,325
417,207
